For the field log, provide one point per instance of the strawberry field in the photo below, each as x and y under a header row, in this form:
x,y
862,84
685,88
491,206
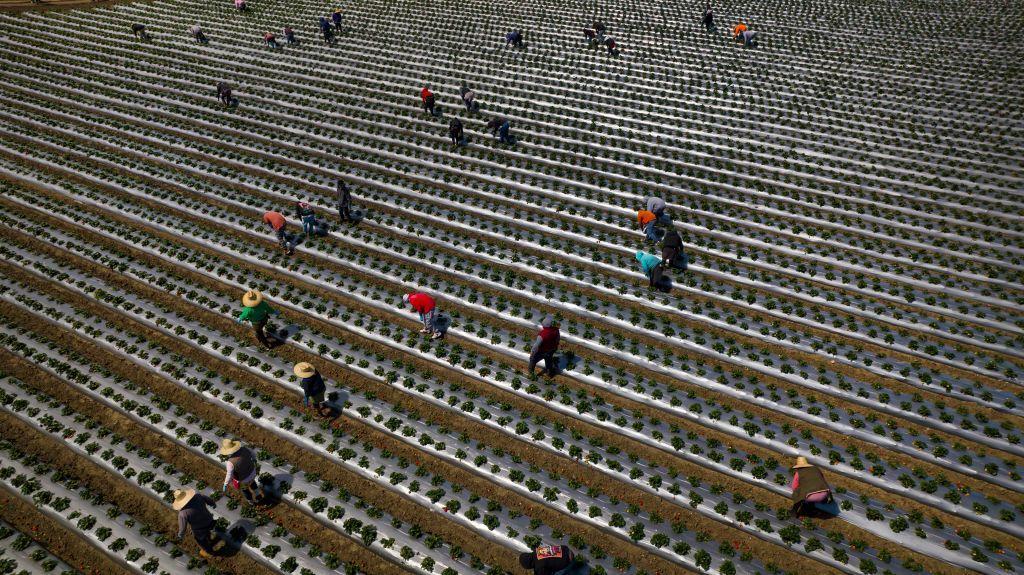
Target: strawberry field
x,y
850,196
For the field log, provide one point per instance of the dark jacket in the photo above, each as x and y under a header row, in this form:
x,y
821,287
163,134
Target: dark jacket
x,y
672,240
455,129
196,515
313,385
811,479
243,463
344,195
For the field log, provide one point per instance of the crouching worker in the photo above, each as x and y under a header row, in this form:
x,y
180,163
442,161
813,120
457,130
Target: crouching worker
x,y
651,266
672,251
193,514
241,468
313,387
258,312
425,306
552,560
647,222
545,346
197,33
809,486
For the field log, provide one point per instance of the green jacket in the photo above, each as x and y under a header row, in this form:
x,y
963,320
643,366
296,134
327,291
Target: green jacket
x,y
256,314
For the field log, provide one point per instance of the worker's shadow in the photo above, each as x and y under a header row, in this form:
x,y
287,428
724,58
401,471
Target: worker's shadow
x,y
664,284
272,489
356,217
234,537
442,324
828,510
332,409
567,361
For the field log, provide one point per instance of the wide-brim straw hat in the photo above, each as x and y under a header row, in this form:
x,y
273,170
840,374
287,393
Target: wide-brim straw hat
x,y
252,298
800,463
182,497
304,370
229,447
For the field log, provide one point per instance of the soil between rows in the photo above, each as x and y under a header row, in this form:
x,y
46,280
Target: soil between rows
x,y
612,544
72,549
608,359
824,333
567,469
198,467
633,406
123,493
617,547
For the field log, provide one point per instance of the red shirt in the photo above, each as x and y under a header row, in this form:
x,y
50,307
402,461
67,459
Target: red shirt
x,y
275,219
549,338
425,93
421,302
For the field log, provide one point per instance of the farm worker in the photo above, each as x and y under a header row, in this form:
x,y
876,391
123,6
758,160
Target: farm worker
x,y
672,250
656,206
514,39
651,265
809,485
503,134
312,384
646,220
738,29
307,215
325,28
424,305
709,19
600,28
468,97
336,18
197,33
271,40
494,124
289,35
240,4
139,31
193,513
240,468
455,131
428,100
590,36
545,346
224,93
552,560
257,312
611,45
749,38
277,223
344,201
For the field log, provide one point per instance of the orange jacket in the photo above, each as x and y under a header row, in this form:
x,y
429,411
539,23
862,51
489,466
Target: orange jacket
x,y
275,219
739,28
644,217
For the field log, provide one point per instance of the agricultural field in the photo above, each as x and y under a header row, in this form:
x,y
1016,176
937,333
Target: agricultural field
x,y
850,195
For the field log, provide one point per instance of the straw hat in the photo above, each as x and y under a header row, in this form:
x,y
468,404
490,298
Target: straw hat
x,y
182,497
229,447
304,369
252,298
801,462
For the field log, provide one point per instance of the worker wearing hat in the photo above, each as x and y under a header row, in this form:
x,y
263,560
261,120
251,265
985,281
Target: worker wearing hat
x,y
312,384
809,485
193,513
258,312
241,468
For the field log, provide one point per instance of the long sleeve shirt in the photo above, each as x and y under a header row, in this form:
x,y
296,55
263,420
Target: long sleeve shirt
x,y
195,515
256,314
313,385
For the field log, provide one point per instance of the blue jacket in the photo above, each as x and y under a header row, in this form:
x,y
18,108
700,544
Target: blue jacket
x,y
647,261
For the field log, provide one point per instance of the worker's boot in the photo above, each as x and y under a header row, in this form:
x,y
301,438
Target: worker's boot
x,y
205,555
